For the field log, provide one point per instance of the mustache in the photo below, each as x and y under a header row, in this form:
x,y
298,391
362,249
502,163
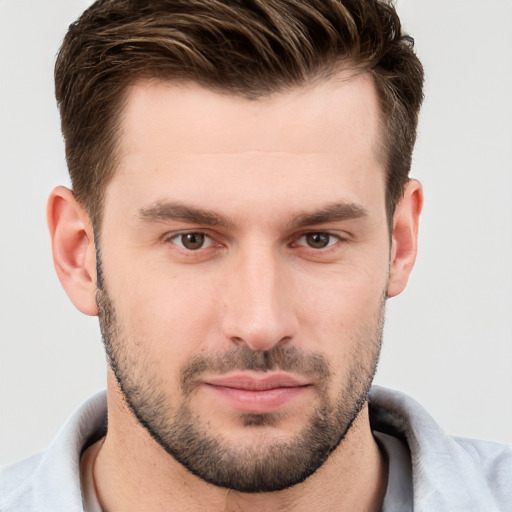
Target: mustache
x,y
284,358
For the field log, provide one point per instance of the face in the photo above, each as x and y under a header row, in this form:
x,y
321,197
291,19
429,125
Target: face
x,y
245,256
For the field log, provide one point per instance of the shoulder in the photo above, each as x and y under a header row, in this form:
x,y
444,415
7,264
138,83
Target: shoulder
x,y
449,473
492,463
50,480
487,454
15,483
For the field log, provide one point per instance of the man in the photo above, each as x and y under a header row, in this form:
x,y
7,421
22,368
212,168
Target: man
x,y
241,211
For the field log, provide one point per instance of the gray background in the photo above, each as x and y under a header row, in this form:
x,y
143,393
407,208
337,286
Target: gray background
x,y
448,338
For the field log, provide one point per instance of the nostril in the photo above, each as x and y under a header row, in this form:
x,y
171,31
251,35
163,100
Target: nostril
x,y
260,342
237,340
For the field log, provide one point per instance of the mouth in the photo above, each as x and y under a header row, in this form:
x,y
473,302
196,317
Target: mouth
x,y
257,394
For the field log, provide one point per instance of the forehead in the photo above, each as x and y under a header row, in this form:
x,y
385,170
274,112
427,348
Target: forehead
x,y
186,117
182,141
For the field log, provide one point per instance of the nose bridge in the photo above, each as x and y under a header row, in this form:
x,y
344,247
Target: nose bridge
x,y
257,311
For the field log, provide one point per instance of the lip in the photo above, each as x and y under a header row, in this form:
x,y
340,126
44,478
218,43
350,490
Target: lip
x,y
255,382
257,393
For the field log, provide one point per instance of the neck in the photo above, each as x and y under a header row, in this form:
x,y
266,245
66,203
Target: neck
x,y
132,472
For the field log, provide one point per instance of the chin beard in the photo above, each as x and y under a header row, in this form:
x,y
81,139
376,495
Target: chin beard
x,y
211,456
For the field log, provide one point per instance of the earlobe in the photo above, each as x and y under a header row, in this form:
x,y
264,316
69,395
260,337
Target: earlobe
x,y
74,254
404,244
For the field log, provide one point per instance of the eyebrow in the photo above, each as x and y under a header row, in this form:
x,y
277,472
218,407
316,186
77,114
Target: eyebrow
x,y
166,211
335,212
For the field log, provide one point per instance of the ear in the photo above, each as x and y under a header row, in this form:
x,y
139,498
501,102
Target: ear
x,y
404,244
74,253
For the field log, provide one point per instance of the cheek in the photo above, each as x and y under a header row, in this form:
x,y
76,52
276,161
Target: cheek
x,y
166,316
343,315
346,293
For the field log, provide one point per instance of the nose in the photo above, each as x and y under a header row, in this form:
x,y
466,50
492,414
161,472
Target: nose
x,y
258,300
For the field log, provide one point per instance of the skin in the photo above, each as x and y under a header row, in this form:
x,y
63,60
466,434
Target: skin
x,y
260,166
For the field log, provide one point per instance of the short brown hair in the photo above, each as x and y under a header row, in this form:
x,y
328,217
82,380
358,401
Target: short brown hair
x,y
244,47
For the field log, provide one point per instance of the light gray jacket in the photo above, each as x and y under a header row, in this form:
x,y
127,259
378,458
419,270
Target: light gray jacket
x,y
448,474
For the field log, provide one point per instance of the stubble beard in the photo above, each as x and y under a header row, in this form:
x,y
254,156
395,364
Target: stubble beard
x,y
182,433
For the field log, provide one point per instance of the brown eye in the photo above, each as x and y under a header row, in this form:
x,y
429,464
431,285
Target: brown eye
x,y
318,240
192,241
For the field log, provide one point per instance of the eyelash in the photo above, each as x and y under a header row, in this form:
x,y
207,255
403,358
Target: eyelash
x,y
334,239
172,237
